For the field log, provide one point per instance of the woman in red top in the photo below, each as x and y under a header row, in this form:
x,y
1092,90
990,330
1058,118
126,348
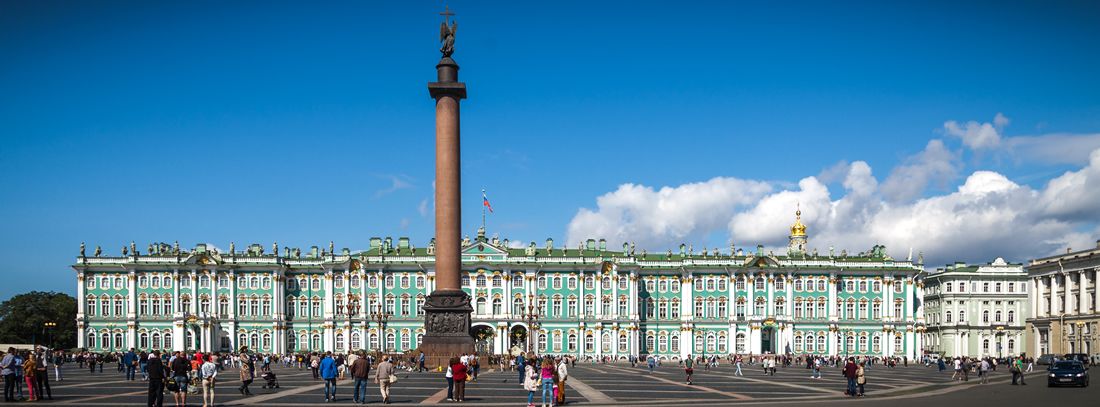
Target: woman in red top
x,y
459,371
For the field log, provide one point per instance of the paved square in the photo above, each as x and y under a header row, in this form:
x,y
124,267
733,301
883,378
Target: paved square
x,y
592,384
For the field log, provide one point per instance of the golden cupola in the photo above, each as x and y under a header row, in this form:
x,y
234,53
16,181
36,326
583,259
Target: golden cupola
x,y
798,229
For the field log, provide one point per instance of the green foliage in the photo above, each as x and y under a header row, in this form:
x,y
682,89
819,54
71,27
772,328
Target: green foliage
x,y
23,319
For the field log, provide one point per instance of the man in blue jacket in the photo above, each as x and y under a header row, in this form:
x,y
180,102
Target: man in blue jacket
x,y
327,369
130,360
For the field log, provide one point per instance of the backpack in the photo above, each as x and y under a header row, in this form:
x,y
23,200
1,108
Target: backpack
x,y
314,364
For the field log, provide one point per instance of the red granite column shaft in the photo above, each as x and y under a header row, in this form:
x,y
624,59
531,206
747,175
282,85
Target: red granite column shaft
x,y
448,193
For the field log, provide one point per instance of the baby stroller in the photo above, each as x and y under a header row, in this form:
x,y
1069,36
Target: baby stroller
x,y
270,381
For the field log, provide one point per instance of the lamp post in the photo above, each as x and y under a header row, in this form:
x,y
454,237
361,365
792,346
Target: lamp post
x,y
353,311
48,332
532,319
1080,337
380,316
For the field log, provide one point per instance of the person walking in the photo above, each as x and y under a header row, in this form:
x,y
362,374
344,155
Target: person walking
x,y
739,361
688,363
58,360
7,363
360,371
155,372
420,360
860,378
958,365
29,367
530,381
385,378
130,363
520,366
983,371
651,362
208,372
546,373
327,370
460,373
816,372
1017,370
181,372
247,375
850,373
314,365
563,375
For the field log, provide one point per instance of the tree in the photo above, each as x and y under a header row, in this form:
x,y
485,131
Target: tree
x,y
23,319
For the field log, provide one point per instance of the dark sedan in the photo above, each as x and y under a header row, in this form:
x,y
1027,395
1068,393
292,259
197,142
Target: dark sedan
x,y
1069,372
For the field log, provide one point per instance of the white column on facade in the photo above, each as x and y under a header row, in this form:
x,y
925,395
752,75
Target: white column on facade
x,y
580,299
909,291
632,298
1033,296
81,332
615,341
194,293
750,304
232,309
615,302
597,304
1082,293
687,308
1070,307
1056,306
832,300
769,306
888,300
788,285
506,303
327,311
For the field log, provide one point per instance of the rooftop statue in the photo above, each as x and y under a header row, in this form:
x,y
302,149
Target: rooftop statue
x,y
124,249
98,251
447,34
81,249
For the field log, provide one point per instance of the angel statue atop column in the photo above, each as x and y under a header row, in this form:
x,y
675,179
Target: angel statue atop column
x,y
447,37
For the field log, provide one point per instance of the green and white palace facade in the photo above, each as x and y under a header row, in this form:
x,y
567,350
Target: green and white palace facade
x,y
588,300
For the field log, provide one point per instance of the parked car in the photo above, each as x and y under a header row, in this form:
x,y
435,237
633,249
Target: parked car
x,y
1080,357
1046,359
1069,372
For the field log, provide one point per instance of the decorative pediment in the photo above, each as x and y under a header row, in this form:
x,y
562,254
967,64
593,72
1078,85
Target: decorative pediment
x,y
761,261
484,251
204,259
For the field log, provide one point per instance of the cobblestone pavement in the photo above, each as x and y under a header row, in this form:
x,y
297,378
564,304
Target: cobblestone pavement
x,y
591,384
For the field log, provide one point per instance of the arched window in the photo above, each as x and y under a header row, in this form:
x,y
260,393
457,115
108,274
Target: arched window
x,y
497,306
997,316
356,341
850,344
862,343
624,343
662,344
497,281
605,342
797,340
480,310
947,317
340,341
810,343
739,343
985,316
391,341
821,343
291,341
985,344
674,344
143,340
517,307
962,316
1011,316
876,344
91,340
571,342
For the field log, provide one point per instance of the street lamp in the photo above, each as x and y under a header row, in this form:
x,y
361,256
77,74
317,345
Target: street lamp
x,y
532,318
47,331
381,316
1080,337
353,311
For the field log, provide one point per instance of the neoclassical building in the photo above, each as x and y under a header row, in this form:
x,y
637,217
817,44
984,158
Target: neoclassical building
x,y
588,300
976,310
1064,304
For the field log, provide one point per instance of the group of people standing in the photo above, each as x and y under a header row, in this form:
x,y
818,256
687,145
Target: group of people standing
x,y
29,368
548,374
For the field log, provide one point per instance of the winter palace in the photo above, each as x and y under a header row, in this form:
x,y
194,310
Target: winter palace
x,y
588,300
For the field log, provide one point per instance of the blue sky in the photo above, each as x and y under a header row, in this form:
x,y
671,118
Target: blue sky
x,y
698,122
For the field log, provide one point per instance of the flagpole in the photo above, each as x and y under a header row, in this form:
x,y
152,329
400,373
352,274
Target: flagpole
x,y
483,209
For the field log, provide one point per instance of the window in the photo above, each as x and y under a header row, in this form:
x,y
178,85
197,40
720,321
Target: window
x,y
898,309
821,285
355,283
589,343
497,281
589,283
759,309
985,316
556,282
589,305
623,283
759,286
850,310
897,287
721,308
780,284
722,284
606,284
315,284
390,281
849,285
985,287
876,310
650,286
739,343
798,285
739,285
862,286
623,343
698,284
662,285
962,316
542,283
997,316
948,287
876,286
481,281
572,283
517,307
338,282
623,304
1011,317
497,306
517,281
204,281
479,309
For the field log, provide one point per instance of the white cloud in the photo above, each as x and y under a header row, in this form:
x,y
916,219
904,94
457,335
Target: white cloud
x,y
397,182
659,217
988,216
935,165
976,135
1075,194
423,208
1056,148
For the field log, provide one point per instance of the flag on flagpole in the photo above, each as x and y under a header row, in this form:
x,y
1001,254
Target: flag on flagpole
x,y
485,201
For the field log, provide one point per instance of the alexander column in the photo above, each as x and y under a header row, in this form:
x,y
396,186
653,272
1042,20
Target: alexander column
x,y
447,310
